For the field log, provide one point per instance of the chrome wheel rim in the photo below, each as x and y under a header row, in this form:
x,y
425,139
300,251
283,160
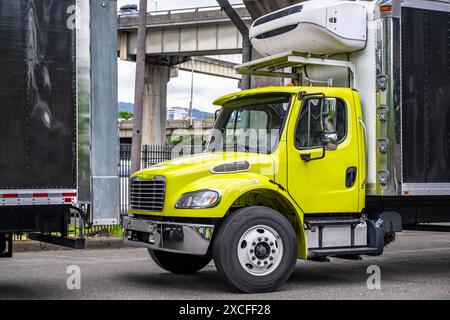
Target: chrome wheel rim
x,y
260,250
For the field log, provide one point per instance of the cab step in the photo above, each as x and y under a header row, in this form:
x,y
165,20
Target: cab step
x,y
331,252
332,221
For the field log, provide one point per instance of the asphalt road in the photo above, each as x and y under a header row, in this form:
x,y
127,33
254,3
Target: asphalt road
x,y
416,266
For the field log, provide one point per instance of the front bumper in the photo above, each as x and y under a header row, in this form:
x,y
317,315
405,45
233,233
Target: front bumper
x,y
183,238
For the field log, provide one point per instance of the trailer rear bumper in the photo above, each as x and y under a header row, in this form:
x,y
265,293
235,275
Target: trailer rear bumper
x,y
183,238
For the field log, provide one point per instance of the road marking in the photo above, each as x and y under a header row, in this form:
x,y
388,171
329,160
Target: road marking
x,y
417,250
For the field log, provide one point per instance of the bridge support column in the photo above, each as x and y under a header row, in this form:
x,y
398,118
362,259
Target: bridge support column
x,y
155,104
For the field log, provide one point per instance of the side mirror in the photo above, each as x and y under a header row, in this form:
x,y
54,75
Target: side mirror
x,y
331,141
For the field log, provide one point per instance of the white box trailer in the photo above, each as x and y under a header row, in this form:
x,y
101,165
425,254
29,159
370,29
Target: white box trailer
x,y
58,124
397,55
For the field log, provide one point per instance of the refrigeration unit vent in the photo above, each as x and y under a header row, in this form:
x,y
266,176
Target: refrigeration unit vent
x,y
276,32
279,14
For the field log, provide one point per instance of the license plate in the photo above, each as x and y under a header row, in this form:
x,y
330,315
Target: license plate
x,y
142,226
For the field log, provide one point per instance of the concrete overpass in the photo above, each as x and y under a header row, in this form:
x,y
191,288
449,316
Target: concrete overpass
x,y
174,128
211,66
172,38
184,32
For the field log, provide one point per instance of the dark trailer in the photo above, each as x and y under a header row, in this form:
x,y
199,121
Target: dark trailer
x,y
420,130
58,135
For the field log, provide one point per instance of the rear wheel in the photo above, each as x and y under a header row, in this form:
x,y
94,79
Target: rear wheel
x,y
179,263
255,249
2,242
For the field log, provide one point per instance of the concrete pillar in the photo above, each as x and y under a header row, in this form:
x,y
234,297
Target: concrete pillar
x,y
155,104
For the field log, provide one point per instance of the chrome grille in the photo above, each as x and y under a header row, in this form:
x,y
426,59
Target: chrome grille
x,y
147,195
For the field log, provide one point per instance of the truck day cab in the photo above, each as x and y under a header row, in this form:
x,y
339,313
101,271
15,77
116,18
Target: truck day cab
x,y
356,151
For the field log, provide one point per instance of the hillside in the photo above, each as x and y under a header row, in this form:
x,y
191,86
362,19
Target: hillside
x,y
197,114
125,107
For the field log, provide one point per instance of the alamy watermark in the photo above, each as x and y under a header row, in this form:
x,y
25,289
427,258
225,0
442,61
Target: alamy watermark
x,y
74,280
374,280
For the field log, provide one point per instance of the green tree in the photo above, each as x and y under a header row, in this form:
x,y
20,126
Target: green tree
x,y
125,115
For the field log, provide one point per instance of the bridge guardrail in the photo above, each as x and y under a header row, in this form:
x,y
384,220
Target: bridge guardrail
x,y
181,10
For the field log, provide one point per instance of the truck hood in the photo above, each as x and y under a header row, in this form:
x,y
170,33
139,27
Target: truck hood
x,y
191,168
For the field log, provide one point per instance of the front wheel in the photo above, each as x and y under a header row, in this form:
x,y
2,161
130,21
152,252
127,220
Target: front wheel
x,y
179,263
255,249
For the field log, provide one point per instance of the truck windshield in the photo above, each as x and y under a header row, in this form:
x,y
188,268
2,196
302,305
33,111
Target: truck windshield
x,y
250,124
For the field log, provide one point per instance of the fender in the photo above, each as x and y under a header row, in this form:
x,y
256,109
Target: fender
x,y
231,187
234,186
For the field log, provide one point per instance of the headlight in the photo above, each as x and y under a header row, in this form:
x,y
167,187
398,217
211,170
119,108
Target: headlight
x,y
198,200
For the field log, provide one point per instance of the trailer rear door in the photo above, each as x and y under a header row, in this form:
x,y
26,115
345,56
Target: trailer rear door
x,y
37,95
426,100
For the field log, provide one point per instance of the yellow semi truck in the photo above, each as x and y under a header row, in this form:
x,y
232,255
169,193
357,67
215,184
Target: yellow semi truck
x,y
334,165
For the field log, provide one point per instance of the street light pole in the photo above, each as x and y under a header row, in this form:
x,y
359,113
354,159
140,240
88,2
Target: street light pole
x,y
192,92
156,5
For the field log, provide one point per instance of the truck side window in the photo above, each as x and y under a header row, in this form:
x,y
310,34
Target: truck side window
x,y
251,124
246,124
310,126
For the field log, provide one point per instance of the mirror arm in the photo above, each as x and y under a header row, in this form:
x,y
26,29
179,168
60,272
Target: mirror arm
x,y
216,114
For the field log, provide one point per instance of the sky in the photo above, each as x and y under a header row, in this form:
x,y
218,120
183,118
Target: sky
x,y
179,88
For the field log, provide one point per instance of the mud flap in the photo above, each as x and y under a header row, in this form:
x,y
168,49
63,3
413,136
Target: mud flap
x,y
6,247
381,229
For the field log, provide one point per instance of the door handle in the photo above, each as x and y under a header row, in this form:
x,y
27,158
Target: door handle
x,y
307,157
350,177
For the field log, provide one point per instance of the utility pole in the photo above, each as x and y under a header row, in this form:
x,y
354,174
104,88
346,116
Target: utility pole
x,y
246,43
136,147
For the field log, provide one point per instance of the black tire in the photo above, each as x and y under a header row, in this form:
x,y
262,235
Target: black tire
x,y
179,263
226,242
2,242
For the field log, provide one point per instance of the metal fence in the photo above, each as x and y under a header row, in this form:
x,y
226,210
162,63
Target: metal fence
x,y
124,174
151,155
155,154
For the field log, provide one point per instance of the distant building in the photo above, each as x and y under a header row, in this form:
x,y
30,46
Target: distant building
x,y
177,113
173,128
